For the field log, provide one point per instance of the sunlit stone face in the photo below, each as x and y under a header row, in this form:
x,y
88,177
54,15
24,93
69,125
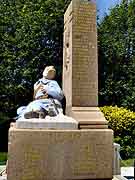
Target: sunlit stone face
x,y
49,72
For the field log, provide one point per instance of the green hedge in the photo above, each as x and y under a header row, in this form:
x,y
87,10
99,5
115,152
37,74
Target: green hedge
x,y
122,121
3,158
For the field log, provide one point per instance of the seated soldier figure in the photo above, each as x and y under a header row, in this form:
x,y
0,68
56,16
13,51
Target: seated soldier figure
x,y
47,97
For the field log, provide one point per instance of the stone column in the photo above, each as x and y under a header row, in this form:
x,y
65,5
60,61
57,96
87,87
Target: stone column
x,y
80,67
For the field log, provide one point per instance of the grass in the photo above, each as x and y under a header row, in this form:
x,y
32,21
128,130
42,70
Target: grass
x,y
3,158
127,163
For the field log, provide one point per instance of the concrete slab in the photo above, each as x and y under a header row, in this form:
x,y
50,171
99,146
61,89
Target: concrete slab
x,y
93,126
127,171
119,177
57,122
92,109
2,167
3,177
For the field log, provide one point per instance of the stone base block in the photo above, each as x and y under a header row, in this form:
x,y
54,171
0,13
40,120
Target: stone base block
x,y
57,122
98,126
60,154
89,117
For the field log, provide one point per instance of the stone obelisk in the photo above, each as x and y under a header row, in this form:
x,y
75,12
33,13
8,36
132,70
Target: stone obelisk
x,y
80,64
80,67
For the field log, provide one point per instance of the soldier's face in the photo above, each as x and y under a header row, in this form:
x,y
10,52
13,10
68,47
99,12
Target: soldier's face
x,y
51,74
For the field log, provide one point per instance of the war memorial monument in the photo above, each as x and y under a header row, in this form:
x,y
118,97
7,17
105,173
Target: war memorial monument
x,y
77,146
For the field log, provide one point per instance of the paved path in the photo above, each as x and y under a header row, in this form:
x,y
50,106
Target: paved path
x,y
127,171
2,168
3,177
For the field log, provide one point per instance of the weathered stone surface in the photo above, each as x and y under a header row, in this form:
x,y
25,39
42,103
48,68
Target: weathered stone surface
x,y
88,115
80,66
93,126
89,118
80,109
57,122
60,154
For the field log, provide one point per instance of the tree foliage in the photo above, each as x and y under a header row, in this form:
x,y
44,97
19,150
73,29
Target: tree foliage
x,y
30,38
116,43
31,33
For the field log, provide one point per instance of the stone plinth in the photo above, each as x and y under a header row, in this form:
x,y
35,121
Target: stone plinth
x,y
89,118
57,122
60,154
80,65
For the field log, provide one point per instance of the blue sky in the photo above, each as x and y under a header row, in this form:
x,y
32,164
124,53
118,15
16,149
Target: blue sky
x,y
104,5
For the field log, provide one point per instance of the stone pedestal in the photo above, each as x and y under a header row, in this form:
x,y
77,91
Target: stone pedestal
x,y
58,122
60,154
89,118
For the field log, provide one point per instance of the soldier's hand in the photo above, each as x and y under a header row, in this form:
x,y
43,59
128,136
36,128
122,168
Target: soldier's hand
x,y
43,90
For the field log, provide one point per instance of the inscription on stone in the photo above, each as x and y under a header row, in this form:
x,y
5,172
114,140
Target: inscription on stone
x,y
83,71
59,154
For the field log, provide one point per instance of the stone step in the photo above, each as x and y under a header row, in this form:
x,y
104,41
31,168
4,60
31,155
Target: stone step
x,y
4,177
93,126
89,116
57,122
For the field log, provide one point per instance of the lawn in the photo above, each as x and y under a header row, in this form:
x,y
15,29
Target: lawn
x,y
3,158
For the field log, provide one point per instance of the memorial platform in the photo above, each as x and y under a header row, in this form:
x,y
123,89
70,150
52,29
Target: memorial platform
x,y
60,154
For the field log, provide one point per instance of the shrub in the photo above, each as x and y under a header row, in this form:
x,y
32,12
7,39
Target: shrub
x,y
3,158
122,121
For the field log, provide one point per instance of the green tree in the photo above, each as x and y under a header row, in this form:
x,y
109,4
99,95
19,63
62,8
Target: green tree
x,y
116,43
31,33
